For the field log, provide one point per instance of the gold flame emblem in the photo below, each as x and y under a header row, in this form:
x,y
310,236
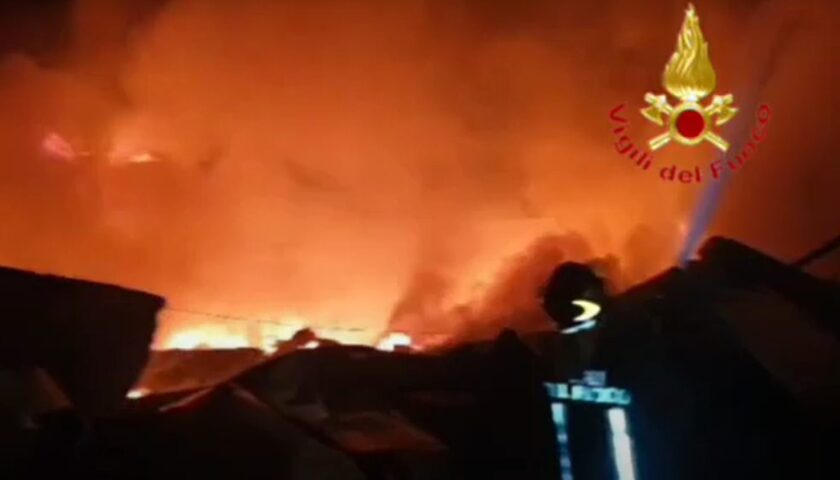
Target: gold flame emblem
x,y
690,77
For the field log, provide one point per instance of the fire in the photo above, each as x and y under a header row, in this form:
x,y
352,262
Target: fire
x,y
321,202
119,156
216,337
394,341
267,335
205,338
138,393
182,331
142,157
55,145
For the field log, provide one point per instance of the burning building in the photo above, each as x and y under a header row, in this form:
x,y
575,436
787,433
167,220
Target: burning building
x,y
406,176
232,162
726,368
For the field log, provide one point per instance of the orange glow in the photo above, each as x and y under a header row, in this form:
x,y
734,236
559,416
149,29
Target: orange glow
x,y
135,157
212,336
193,330
393,341
142,157
55,145
365,165
205,338
138,393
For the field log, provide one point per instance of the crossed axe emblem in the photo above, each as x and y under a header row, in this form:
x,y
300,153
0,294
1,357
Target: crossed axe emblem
x,y
688,121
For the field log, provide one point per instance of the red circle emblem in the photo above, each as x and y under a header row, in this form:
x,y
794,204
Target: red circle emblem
x,y
690,124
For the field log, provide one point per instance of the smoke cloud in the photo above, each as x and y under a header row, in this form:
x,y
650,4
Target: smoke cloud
x,y
418,164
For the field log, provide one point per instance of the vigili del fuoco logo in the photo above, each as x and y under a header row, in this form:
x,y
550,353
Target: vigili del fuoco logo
x,y
689,78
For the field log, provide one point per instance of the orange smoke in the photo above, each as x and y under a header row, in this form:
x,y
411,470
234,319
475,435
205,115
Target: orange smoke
x,y
357,167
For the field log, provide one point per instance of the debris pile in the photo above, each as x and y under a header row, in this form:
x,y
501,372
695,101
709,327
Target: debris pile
x,y
735,347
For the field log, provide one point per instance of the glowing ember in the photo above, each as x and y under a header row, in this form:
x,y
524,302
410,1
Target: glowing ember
x,y
189,329
138,393
55,145
119,157
394,341
268,336
205,338
142,157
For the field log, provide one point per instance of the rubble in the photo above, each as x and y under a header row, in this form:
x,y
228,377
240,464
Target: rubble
x,y
726,368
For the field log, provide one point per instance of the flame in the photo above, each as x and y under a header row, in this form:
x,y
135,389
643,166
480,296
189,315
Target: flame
x,y
689,74
222,336
118,158
138,393
207,337
394,340
142,157
185,333
55,145
322,203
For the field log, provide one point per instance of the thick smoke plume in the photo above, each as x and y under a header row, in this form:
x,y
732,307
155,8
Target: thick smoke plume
x,y
418,164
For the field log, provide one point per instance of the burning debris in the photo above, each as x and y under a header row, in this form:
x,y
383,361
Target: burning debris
x,y
395,341
137,393
204,179
333,411
54,145
339,198
200,366
194,189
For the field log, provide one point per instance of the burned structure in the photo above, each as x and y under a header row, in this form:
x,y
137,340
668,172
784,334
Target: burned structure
x,y
727,368
69,352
